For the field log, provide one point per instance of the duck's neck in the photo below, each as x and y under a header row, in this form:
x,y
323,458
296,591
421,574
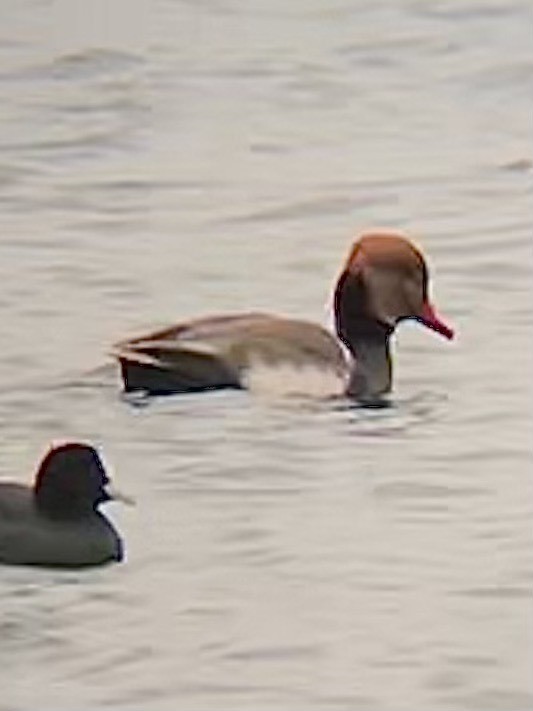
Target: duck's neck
x,y
57,507
371,368
366,338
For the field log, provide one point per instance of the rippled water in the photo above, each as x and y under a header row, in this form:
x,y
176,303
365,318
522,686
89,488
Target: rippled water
x,y
165,159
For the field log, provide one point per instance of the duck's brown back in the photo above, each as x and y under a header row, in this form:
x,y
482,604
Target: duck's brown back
x,y
217,351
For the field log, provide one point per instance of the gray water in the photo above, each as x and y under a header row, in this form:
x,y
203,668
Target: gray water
x,y
165,159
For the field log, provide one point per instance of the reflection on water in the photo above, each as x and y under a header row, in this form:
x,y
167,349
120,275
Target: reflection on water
x,y
165,160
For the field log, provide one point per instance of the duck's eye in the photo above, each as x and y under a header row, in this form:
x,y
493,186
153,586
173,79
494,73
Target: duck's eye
x,y
417,281
414,293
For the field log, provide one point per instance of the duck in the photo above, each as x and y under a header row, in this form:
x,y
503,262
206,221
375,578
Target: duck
x,y
384,281
56,522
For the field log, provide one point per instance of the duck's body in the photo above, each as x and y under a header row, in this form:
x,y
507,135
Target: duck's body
x,y
56,523
383,281
219,351
29,538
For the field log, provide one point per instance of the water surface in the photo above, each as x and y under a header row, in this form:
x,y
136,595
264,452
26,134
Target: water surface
x,y
166,159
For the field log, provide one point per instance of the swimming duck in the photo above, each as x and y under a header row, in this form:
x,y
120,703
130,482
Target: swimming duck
x,y
383,281
57,522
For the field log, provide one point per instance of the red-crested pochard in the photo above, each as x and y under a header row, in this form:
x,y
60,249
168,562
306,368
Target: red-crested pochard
x,y
384,281
56,523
